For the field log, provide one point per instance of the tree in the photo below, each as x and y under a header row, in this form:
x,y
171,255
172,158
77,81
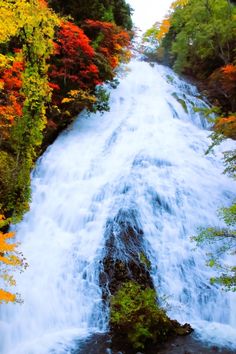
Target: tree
x,y
117,11
223,242
72,65
110,41
205,34
11,98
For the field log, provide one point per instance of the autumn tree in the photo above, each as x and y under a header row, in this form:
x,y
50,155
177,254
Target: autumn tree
x,y
72,65
25,91
111,44
10,257
11,98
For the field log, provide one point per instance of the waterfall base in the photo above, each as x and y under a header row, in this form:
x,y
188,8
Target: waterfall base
x,y
102,343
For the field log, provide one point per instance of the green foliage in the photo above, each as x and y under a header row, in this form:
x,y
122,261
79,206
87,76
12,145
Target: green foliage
x,y
117,11
223,242
7,183
205,35
14,185
102,100
230,163
136,315
145,260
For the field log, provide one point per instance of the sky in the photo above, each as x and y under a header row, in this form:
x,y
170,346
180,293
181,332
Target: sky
x,y
147,12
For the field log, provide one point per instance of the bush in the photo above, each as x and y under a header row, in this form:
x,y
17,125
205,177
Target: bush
x,y
136,315
14,186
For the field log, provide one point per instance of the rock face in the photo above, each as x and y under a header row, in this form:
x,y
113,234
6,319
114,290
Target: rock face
x,y
137,321
124,258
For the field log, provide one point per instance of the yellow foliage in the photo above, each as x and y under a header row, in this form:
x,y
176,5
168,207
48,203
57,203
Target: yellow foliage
x,y
74,93
26,15
5,61
227,126
67,100
8,21
80,96
164,28
177,3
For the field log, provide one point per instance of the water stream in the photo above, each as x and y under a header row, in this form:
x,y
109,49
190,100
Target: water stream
x,y
146,154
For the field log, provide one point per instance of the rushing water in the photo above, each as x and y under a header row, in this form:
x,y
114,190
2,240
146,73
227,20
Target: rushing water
x,y
147,153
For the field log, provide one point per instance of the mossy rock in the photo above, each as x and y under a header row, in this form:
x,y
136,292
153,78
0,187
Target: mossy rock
x,y
138,319
145,260
181,101
124,259
170,78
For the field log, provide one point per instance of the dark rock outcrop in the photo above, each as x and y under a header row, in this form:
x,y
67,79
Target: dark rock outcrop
x,y
102,344
124,258
126,266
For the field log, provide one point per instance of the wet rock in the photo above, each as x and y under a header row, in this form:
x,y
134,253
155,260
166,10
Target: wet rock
x,y
123,259
102,344
137,322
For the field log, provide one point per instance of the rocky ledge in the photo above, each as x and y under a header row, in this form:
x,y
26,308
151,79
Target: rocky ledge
x,y
137,321
102,344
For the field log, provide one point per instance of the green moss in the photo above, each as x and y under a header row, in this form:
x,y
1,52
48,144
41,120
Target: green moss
x,y
181,101
136,316
145,260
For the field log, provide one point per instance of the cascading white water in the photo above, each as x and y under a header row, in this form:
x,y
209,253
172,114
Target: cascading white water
x,y
148,151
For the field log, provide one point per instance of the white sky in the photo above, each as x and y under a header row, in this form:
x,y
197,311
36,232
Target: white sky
x,y
147,12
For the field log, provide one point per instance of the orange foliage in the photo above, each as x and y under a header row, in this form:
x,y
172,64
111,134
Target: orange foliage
x,y
6,296
229,77
11,99
43,3
9,256
164,28
223,80
230,70
227,126
5,248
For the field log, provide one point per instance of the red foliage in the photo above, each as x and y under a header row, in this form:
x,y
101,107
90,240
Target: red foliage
x,y
11,99
111,39
72,65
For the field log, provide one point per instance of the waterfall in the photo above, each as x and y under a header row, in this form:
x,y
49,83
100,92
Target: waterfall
x,y
147,154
